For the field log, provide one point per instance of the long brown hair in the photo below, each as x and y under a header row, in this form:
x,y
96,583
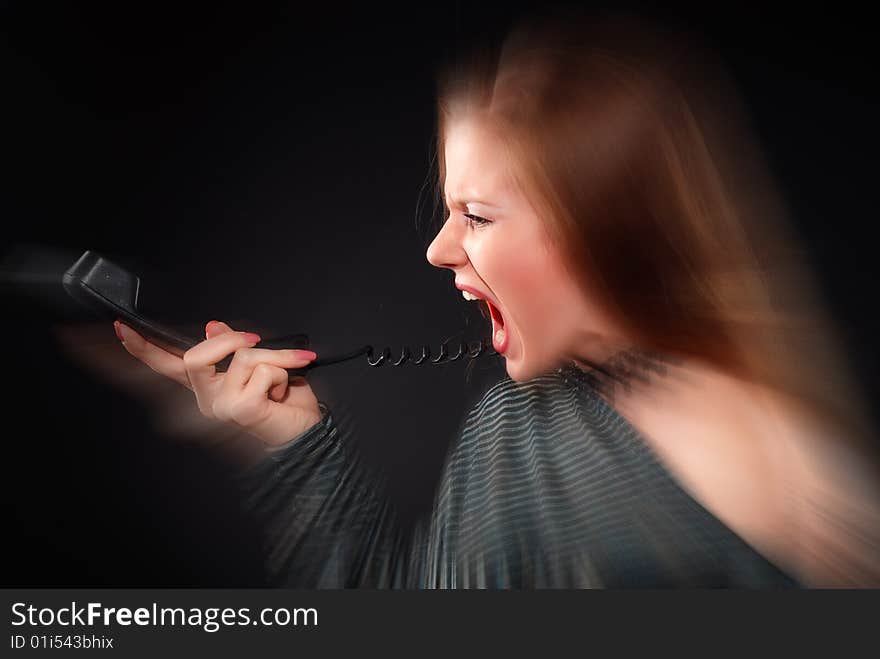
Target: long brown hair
x,y
631,144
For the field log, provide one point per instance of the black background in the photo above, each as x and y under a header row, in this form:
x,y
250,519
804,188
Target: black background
x,y
265,166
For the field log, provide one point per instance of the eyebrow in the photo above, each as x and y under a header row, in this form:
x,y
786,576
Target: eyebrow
x,y
463,201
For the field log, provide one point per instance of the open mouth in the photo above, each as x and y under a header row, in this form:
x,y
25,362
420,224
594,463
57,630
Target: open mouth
x,y
490,311
499,332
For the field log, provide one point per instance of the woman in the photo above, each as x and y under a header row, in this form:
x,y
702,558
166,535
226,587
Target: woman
x,y
676,413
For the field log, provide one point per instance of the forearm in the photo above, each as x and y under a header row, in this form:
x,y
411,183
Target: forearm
x,y
325,518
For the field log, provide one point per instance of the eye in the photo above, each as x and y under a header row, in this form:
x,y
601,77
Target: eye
x,y
475,220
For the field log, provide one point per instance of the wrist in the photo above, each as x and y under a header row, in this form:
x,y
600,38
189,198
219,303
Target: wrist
x,y
305,424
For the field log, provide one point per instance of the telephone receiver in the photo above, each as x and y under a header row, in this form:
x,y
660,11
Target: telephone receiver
x,y
112,291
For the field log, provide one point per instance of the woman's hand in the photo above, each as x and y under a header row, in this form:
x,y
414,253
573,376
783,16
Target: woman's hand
x,y
254,393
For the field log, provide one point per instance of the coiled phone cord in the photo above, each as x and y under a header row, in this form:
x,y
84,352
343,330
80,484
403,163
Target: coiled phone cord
x,y
471,349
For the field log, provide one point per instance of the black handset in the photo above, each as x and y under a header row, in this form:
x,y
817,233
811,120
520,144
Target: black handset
x,y
113,291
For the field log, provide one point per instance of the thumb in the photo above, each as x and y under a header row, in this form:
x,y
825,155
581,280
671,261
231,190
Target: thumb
x,y
215,328
278,392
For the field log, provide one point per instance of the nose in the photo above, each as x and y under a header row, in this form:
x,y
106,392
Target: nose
x,y
446,251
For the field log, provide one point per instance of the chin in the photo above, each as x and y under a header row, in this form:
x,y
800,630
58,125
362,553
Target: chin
x,y
516,373
520,371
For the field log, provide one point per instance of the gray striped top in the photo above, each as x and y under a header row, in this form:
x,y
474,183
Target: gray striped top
x,y
547,486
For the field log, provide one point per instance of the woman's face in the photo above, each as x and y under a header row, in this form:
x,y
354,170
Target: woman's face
x,y
497,246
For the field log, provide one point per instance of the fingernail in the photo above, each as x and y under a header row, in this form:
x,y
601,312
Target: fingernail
x,y
117,328
306,354
253,338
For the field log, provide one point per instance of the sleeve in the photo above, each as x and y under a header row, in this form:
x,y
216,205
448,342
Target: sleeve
x,y
326,519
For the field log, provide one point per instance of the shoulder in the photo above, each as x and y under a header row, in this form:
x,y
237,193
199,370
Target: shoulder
x,y
771,468
830,488
834,497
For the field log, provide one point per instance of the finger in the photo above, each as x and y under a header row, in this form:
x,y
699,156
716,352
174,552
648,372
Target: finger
x,y
254,408
204,355
200,359
269,420
265,378
278,392
245,361
250,406
161,361
215,328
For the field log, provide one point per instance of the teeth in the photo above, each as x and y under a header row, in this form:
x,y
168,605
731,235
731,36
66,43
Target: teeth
x,y
469,296
499,336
